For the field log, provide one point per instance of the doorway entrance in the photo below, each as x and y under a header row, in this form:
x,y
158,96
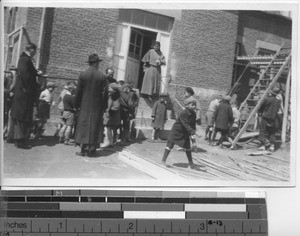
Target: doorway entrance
x,y
140,42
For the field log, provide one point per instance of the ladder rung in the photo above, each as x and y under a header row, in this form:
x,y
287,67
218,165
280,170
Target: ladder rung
x,y
252,99
248,106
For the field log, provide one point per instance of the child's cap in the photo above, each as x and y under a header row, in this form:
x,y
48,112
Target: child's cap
x,y
50,84
190,100
190,90
227,98
113,85
127,86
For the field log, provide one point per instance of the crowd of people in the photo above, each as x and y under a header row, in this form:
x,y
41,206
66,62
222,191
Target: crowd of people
x,y
222,117
94,107
98,106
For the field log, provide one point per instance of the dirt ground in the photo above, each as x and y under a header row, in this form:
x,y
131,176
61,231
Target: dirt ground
x,y
141,160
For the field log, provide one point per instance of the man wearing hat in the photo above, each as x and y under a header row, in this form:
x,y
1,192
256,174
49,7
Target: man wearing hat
x,y
267,114
25,94
91,100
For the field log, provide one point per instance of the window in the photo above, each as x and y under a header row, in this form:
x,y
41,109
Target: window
x,y
136,41
148,19
265,52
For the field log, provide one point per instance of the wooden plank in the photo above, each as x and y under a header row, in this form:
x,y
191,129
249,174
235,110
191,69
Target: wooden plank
x,y
267,169
286,107
222,169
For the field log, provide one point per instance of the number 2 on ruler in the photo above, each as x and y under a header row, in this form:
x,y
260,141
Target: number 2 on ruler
x,y
130,225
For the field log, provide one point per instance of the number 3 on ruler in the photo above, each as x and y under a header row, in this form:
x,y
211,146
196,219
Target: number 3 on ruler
x,y
202,226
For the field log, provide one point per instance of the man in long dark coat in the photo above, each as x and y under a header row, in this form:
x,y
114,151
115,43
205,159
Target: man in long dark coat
x,y
91,99
25,95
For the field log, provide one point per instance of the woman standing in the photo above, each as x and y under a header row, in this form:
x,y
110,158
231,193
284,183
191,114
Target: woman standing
x,y
152,60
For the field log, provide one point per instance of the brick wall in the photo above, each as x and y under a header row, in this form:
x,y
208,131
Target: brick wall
x,y
255,26
202,54
260,26
72,34
201,50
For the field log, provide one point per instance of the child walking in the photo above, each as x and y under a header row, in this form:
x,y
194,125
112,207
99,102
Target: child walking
x,y
68,116
159,116
182,131
45,102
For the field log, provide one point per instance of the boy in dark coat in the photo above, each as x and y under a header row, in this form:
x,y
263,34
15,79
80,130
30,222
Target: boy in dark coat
x,y
159,116
268,113
224,119
183,129
129,101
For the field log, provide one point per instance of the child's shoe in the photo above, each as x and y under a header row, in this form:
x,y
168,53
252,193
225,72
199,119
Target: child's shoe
x,y
262,148
272,148
60,139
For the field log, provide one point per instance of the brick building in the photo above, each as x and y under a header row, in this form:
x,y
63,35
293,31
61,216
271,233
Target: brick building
x,y
200,45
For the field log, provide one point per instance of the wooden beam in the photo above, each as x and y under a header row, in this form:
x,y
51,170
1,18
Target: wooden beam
x,y
19,45
286,107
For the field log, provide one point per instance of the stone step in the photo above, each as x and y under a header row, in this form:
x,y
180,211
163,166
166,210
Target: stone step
x,y
144,129
145,122
145,107
146,133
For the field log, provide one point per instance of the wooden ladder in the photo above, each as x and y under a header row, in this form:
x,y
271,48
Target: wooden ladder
x,y
268,78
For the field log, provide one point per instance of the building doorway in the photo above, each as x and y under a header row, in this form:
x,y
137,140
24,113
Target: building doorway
x,y
140,42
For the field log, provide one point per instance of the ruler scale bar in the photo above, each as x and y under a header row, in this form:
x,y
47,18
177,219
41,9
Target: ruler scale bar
x,y
135,226
134,213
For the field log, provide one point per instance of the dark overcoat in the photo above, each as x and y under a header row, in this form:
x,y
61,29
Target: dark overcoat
x,y
91,99
269,107
25,92
183,128
159,113
223,115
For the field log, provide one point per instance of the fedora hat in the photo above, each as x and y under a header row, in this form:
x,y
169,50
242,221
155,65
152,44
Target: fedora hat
x,y
93,58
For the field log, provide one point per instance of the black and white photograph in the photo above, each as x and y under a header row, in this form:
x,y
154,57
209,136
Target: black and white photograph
x,y
148,94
